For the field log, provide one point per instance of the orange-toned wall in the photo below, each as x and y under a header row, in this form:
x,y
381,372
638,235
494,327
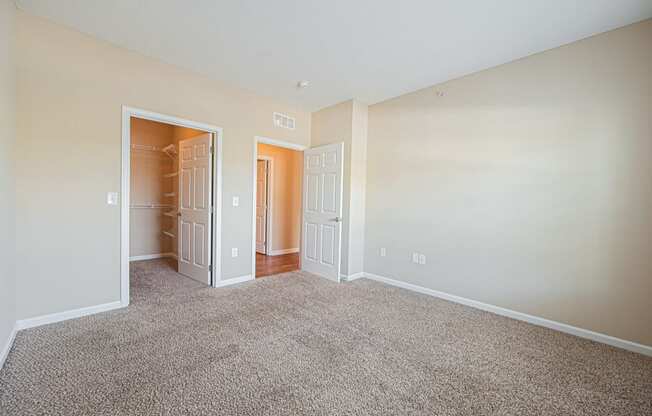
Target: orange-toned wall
x,y
147,187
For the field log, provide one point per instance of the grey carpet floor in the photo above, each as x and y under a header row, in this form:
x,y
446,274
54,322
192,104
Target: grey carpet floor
x,y
298,344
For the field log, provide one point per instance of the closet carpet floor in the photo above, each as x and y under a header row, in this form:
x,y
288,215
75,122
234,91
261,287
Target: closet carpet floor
x,y
296,344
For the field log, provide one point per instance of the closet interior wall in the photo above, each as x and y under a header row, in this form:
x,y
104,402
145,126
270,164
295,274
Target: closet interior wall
x,y
153,210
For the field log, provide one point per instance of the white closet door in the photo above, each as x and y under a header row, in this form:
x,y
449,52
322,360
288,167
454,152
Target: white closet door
x,y
261,206
322,210
194,231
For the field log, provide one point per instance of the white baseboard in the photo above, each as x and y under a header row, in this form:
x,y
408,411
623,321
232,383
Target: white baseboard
x,y
64,316
4,353
152,256
283,251
351,277
234,280
535,320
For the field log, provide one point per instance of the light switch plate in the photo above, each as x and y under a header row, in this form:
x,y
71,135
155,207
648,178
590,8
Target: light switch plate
x,y
234,252
236,201
422,259
383,252
415,258
112,198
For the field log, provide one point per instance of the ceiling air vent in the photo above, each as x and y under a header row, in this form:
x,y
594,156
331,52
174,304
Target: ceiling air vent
x,y
283,121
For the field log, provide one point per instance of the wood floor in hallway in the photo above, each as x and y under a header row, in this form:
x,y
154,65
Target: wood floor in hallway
x,y
268,265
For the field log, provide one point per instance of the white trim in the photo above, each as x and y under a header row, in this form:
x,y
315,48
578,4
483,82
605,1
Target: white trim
x,y
283,251
280,143
64,316
535,320
152,256
332,279
352,277
273,142
269,222
127,114
217,204
124,207
10,342
235,280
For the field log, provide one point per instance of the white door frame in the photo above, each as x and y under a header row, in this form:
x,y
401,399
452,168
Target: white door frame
x,y
273,142
269,203
127,114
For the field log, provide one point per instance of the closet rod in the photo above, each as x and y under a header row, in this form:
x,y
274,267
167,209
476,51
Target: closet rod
x,y
169,150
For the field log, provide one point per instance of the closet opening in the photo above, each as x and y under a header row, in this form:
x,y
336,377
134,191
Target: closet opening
x,y
169,205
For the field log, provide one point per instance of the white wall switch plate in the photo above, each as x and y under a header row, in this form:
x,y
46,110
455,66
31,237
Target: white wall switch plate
x,y
422,259
112,198
236,201
383,252
415,258
234,252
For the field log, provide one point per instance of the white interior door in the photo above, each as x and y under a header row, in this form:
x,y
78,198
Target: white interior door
x,y
322,210
261,205
194,228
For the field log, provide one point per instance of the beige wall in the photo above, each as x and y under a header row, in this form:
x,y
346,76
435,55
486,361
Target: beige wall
x,y
347,122
7,176
358,188
148,186
70,91
286,195
528,186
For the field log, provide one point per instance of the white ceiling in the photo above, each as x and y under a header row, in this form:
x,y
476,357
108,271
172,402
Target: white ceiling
x,y
371,50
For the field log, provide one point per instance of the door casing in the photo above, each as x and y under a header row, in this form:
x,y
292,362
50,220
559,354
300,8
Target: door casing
x,y
269,225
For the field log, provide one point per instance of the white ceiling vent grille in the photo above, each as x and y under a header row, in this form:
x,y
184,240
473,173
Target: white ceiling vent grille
x,y
283,121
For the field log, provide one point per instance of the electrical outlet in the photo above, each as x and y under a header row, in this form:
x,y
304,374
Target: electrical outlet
x,y
236,202
415,258
422,259
383,252
234,252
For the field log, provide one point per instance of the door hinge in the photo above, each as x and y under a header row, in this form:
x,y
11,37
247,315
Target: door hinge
x,y
212,150
210,268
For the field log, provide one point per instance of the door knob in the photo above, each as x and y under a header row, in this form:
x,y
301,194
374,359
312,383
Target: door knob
x,y
178,214
337,219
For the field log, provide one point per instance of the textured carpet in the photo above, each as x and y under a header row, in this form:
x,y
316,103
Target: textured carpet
x,y
298,344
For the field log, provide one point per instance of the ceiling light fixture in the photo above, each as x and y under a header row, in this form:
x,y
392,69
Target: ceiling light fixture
x,y
303,84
